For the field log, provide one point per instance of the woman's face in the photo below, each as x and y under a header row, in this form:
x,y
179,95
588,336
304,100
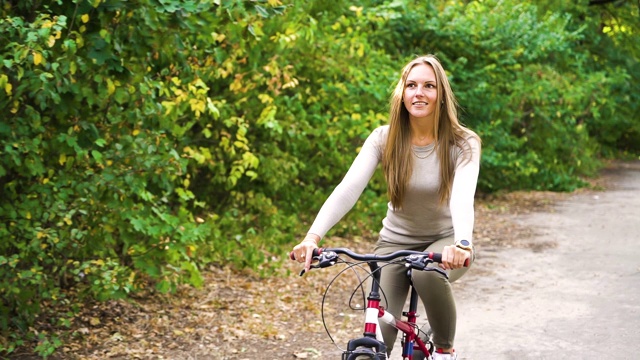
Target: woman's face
x,y
420,92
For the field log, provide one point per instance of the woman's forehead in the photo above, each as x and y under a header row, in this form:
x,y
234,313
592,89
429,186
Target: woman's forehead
x,y
421,73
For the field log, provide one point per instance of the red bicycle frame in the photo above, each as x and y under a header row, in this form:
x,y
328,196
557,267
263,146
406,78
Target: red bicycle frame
x,y
375,313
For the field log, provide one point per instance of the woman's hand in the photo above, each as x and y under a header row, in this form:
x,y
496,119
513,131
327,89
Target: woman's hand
x,y
454,257
303,252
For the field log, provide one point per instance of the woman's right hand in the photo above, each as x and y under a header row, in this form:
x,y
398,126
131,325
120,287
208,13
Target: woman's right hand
x,y
303,252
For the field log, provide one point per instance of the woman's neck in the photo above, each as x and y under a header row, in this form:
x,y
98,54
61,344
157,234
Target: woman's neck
x,y
422,131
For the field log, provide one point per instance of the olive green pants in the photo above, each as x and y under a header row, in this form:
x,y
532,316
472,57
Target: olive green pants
x,y
434,291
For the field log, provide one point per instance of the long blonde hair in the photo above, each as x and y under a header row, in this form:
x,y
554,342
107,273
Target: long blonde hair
x,y
397,161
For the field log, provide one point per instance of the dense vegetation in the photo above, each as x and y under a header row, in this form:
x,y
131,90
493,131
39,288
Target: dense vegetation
x,y
144,139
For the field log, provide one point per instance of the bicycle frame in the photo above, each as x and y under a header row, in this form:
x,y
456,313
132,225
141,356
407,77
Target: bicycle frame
x,y
374,313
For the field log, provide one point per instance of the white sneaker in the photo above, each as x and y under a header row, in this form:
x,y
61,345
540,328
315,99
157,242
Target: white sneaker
x,y
440,356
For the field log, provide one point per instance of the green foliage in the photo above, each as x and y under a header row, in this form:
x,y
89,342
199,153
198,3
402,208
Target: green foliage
x,y
142,141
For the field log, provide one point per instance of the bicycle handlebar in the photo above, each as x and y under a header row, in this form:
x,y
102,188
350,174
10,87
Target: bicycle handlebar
x,y
436,257
416,259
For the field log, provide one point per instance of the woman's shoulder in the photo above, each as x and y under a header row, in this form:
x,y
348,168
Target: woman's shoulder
x,y
469,134
378,137
380,133
470,137
469,144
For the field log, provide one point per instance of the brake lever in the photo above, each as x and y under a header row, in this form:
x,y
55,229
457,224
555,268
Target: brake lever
x,y
303,271
324,260
420,262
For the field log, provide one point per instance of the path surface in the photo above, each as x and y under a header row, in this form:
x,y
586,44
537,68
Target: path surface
x,y
571,301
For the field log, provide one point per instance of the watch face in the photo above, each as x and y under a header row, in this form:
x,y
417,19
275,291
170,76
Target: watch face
x,y
465,242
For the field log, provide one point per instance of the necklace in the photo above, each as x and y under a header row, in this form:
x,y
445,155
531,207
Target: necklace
x,y
426,153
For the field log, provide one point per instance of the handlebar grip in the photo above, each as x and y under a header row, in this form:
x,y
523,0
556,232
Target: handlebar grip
x,y
437,257
316,252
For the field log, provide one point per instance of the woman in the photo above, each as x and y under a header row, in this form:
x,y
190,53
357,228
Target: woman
x,y
431,164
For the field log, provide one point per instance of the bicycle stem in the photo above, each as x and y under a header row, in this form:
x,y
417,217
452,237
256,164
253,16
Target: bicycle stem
x,y
373,302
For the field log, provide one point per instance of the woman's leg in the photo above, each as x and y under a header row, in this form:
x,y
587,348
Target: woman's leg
x,y
437,297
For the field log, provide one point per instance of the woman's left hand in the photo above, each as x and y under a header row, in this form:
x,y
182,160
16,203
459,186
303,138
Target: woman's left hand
x,y
454,258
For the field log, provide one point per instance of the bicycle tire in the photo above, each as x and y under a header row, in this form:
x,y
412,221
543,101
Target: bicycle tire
x,y
363,354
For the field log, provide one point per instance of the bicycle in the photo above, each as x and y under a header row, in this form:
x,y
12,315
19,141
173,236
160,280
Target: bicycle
x,y
371,344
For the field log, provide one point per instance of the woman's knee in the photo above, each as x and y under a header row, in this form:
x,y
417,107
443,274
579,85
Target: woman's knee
x,y
430,279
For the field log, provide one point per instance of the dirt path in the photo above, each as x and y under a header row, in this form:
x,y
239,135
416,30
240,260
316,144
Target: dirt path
x,y
571,300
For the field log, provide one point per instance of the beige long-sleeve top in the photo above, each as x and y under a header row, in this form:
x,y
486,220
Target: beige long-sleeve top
x,y
421,219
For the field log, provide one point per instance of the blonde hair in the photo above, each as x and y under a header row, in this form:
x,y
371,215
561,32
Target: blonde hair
x,y
397,161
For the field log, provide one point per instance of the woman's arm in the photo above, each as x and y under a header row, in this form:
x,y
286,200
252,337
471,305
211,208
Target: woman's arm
x,y
463,192
345,195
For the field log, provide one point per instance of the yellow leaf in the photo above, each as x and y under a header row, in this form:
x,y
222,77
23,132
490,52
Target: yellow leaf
x,y
218,37
67,221
52,41
43,246
85,18
28,215
37,58
4,82
94,321
45,180
264,98
111,88
40,235
63,159
135,132
236,85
